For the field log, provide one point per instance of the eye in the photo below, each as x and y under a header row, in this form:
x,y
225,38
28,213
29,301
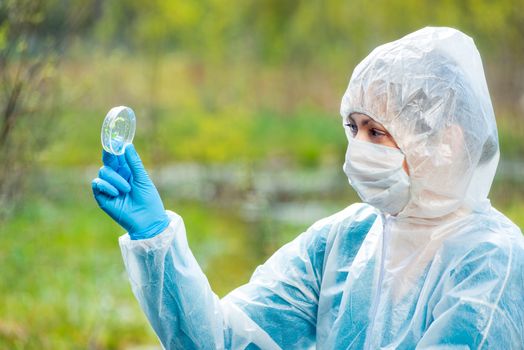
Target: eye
x,y
377,133
352,127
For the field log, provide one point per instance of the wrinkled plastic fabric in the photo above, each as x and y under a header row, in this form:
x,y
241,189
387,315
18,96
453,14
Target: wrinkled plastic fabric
x,y
446,273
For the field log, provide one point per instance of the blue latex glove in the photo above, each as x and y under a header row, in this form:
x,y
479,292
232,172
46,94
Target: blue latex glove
x,y
125,192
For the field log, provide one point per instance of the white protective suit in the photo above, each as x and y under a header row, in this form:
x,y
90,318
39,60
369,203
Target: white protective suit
x,y
447,272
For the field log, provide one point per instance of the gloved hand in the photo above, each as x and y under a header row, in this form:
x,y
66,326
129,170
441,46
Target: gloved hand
x,y
125,192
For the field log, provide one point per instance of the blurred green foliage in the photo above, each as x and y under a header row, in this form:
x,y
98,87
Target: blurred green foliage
x,y
214,82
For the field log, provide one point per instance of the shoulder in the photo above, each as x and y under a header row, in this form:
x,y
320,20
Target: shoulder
x,y
354,220
345,229
355,213
307,252
350,225
490,245
487,234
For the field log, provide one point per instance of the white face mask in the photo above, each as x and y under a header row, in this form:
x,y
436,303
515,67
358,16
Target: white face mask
x,y
376,173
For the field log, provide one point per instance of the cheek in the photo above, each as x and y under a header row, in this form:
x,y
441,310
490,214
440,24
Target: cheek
x,y
405,166
389,141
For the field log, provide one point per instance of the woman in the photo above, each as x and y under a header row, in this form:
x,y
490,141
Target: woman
x,y
424,262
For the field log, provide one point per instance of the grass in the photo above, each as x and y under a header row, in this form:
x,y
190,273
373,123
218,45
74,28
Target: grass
x,y
63,283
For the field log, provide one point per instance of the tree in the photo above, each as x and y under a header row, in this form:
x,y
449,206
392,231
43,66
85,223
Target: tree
x,y
29,52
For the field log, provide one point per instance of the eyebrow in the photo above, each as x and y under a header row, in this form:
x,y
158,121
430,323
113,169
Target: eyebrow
x,y
367,121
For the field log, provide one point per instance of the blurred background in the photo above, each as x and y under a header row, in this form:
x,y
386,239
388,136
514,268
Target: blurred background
x,y
237,119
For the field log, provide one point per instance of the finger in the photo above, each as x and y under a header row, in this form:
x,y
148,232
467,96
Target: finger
x,y
100,186
108,174
123,168
100,197
109,159
112,160
135,164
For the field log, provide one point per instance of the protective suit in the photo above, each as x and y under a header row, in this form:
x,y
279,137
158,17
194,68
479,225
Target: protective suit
x,y
446,272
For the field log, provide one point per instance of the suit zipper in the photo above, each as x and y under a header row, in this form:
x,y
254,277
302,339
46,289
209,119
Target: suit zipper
x,y
376,300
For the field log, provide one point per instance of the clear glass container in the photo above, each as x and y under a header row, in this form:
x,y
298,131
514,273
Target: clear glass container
x,y
118,129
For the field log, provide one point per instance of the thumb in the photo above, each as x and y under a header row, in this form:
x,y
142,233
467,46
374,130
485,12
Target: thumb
x,y
135,164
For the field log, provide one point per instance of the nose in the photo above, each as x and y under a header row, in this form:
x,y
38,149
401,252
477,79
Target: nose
x,y
361,136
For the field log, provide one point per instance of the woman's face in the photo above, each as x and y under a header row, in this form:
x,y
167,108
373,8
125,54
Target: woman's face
x,y
364,128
